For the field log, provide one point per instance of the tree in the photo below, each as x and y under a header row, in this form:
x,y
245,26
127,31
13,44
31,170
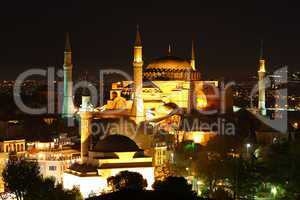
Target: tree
x,y
245,177
282,163
224,171
24,180
20,176
178,186
126,180
46,189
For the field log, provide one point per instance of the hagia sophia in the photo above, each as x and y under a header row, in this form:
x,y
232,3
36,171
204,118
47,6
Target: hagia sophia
x,y
167,105
159,94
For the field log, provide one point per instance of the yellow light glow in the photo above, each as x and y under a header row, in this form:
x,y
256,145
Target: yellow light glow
x,y
295,125
262,66
201,100
198,137
86,185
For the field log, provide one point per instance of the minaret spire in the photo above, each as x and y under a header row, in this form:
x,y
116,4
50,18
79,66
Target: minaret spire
x,y
261,50
261,83
169,49
68,43
261,58
68,106
138,40
138,103
193,59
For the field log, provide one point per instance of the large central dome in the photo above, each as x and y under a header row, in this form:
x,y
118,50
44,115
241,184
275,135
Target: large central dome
x,y
170,63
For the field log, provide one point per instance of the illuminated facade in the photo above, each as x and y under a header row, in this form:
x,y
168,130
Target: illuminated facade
x,y
162,154
158,91
53,156
168,79
106,158
13,146
3,161
198,137
53,162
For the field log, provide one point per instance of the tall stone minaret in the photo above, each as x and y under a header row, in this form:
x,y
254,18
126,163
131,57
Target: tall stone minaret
x,y
191,95
261,84
193,60
138,104
68,106
86,116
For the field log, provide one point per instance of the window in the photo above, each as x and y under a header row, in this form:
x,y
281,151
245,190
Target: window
x,y
52,168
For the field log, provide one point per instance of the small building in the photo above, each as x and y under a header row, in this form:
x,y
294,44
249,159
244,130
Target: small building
x,y
107,158
9,146
3,161
54,155
13,145
54,162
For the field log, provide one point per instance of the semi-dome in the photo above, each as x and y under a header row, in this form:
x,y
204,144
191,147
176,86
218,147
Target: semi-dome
x,y
169,63
116,143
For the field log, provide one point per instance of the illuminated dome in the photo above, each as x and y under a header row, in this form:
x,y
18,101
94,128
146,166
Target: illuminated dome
x,y
170,68
116,143
170,63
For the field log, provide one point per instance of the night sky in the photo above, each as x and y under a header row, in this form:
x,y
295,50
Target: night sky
x,y
227,35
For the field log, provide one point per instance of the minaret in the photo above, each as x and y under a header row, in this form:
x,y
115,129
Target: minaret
x,y
138,104
68,106
193,60
86,116
191,95
261,84
85,131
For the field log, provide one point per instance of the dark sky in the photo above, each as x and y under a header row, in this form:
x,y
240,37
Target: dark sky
x,y
227,34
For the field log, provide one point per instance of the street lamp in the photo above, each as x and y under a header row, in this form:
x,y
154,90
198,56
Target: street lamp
x,y
188,171
274,191
248,146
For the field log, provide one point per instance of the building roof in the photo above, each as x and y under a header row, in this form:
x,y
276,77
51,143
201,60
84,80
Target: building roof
x,y
170,63
125,165
116,143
